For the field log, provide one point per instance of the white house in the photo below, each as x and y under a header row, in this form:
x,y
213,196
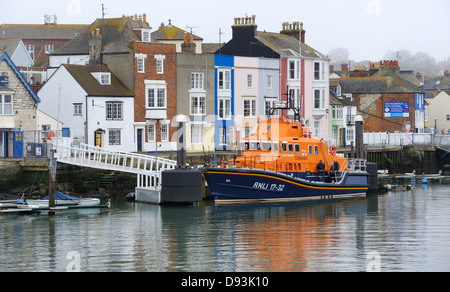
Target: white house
x,y
17,51
96,106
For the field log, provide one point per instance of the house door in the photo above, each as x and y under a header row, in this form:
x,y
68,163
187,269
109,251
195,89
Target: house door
x,y
139,140
18,144
99,138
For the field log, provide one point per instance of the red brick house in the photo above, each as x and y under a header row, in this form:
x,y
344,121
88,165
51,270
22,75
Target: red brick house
x,y
155,88
386,101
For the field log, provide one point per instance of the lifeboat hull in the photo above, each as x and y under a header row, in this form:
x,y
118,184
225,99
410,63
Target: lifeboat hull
x,y
241,185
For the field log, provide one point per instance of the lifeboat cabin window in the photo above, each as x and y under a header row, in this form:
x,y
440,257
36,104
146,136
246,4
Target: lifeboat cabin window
x,y
310,150
254,146
291,148
297,148
266,146
316,150
284,147
276,147
245,146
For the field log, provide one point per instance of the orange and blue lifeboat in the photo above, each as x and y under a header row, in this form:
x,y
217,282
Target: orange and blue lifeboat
x,y
283,162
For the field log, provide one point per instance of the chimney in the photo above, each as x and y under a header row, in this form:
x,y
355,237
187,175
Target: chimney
x,y
389,68
95,47
244,27
360,71
344,71
374,68
144,17
302,33
447,74
419,76
292,29
188,46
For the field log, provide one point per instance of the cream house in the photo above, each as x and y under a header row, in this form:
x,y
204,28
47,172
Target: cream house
x,y
439,112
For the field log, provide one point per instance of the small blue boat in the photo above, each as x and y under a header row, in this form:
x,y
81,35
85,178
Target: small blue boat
x,y
65,200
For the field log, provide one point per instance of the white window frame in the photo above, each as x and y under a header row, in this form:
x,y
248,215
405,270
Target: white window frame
x,y
222,136
224,108
77,109
321,98
112,138
165,132
249,107
156,96
295,71
319,73
114,111
350,134
49,48
30,50
197,81
140,65
105,79
224,77
146,35
269,81
151,129
198,105
249,81
269,102
338,112
197,134
160,64
4,104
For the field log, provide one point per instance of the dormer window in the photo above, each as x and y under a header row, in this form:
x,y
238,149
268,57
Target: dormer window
x,y
105,79
146,35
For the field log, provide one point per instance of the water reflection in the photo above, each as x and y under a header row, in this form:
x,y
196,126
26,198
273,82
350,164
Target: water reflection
x,y
409,230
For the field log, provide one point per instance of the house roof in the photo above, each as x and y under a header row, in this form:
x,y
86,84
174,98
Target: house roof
x,y
82,74
286,45
171,32
116,34
377,85
9,45
40,31
438,83
5,57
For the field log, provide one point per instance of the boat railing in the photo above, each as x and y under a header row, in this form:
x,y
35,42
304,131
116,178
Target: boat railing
x,y
357,165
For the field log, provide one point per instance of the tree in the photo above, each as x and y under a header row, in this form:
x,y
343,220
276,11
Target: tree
x,y
420,62
339,54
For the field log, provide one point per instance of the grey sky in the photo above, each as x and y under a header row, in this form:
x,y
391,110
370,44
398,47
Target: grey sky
x,y
367,28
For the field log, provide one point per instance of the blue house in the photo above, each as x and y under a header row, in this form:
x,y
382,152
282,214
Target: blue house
x,y
18,109
224,101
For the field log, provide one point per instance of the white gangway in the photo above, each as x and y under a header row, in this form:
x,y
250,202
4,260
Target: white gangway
x,y
147,168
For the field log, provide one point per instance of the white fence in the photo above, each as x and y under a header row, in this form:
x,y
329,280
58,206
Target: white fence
x,y
399,139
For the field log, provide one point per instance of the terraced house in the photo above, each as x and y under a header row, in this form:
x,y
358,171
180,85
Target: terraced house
x,y
146,68
303,71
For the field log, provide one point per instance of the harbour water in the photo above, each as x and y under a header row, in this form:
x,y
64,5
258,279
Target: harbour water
x,y
396,231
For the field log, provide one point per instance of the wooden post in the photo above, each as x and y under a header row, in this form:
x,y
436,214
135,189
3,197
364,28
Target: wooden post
x,y
359,137
52,181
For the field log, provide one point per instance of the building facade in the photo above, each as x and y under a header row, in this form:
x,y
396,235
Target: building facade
x,y
196,99
18,109
93,103
225,135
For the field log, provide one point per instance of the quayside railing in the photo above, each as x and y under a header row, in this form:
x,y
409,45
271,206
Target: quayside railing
x,y
147,168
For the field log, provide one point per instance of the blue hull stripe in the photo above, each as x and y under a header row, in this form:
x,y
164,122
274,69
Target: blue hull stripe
x,y
244,186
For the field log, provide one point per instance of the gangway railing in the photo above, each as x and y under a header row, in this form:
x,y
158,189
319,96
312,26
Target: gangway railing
x,y
147,168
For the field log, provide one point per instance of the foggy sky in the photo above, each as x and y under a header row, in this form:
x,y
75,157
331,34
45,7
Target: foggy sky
x,y
367,28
